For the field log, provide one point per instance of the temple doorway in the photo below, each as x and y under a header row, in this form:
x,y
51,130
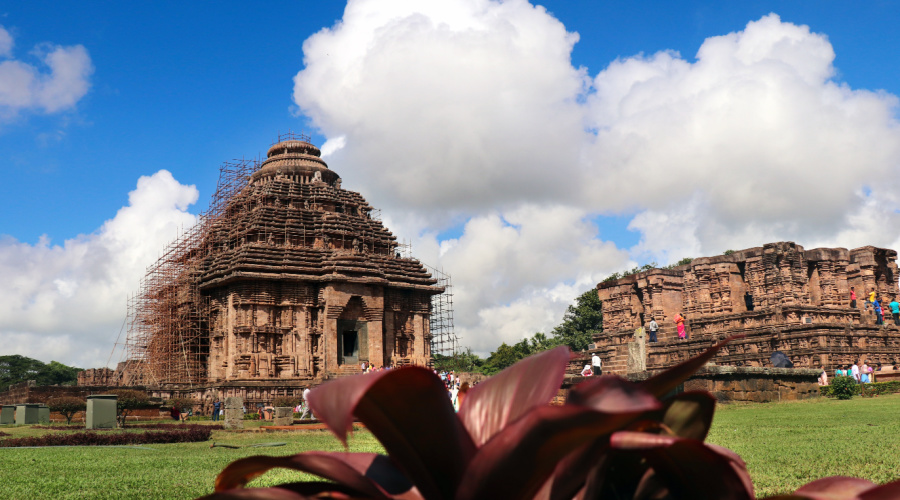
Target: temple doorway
x,y
350,347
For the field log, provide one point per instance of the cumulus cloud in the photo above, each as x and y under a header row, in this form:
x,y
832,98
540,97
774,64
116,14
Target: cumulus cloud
x,y
752,142
470,115
68,302
62,81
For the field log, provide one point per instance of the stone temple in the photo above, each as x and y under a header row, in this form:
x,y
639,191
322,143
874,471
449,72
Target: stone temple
x,y
780,296
288,280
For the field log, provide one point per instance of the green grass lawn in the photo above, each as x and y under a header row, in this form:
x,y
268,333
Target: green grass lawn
x,y
785,445
167,471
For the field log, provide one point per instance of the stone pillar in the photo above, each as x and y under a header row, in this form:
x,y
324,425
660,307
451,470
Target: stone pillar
x,y
234,412
637,353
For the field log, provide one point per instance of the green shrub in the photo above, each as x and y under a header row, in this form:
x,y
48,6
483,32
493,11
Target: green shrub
x,y
844,387
874,389
286,402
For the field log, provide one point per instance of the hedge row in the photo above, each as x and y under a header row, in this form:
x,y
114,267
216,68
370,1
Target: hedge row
x,y
872,389
130,426
189,434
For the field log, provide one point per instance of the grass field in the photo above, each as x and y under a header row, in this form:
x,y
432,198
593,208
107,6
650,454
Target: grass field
x,y
785,445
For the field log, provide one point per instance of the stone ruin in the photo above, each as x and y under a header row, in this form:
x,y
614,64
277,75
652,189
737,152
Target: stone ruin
x,y
779,296
286,281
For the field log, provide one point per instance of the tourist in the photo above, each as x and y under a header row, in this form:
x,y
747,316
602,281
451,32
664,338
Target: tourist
x,y
879,314
463,392
870,372
895,311
586,371
362,367
838,372
864,373
870,299
304,410
653,327
216,407
823,377
854,372
596,365
852,297
679,322
454,391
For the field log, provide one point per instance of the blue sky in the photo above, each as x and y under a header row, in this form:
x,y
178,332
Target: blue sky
x,y
184,86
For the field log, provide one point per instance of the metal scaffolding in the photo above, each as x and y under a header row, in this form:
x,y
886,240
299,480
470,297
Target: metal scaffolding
x,y
168,317
443,337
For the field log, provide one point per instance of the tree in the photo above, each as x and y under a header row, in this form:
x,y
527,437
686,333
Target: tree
x,y
128,400
68,406
16,368
580,322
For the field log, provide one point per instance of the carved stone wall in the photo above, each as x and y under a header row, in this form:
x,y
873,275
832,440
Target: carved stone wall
x,y
780,296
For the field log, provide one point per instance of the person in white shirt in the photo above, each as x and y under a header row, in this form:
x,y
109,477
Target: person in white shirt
x,y
854,372
653,327
305,412
596,365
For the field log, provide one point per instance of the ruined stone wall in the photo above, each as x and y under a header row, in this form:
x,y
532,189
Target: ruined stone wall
x,y
780,296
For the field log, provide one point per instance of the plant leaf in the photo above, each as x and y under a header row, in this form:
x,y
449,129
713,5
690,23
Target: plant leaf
x,y
610,393
887,491
505,397
409,411
662,383
690,414
684,466
367,473
289,491
517,461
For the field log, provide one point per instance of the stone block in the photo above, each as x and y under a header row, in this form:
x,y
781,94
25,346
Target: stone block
x,y
27,414
101,411
284,415
7,414
234,418
44,415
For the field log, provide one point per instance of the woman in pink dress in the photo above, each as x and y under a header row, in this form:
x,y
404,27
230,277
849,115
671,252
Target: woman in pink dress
x,y
679,322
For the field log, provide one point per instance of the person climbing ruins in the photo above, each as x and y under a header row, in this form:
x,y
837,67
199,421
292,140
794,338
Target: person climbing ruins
x,y
870,299
596,365
853,297
679,322
653,327
895,311
879,313
586,371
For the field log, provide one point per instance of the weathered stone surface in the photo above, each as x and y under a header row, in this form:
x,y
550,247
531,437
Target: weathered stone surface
x,y
284,416
779,296
234,418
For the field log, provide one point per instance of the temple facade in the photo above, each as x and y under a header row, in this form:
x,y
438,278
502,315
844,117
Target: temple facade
x,y
288,280
780,296
302,281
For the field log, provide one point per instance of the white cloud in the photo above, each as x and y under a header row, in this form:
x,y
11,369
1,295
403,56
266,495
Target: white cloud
x,y
67,302
751,143
24,86
6,43
470,114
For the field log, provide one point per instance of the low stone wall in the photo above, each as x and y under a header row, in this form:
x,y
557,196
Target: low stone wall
x,y
753,384
734,383
29,392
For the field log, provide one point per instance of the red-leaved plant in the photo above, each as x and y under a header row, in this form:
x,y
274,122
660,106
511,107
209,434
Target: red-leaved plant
x,y
611,439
